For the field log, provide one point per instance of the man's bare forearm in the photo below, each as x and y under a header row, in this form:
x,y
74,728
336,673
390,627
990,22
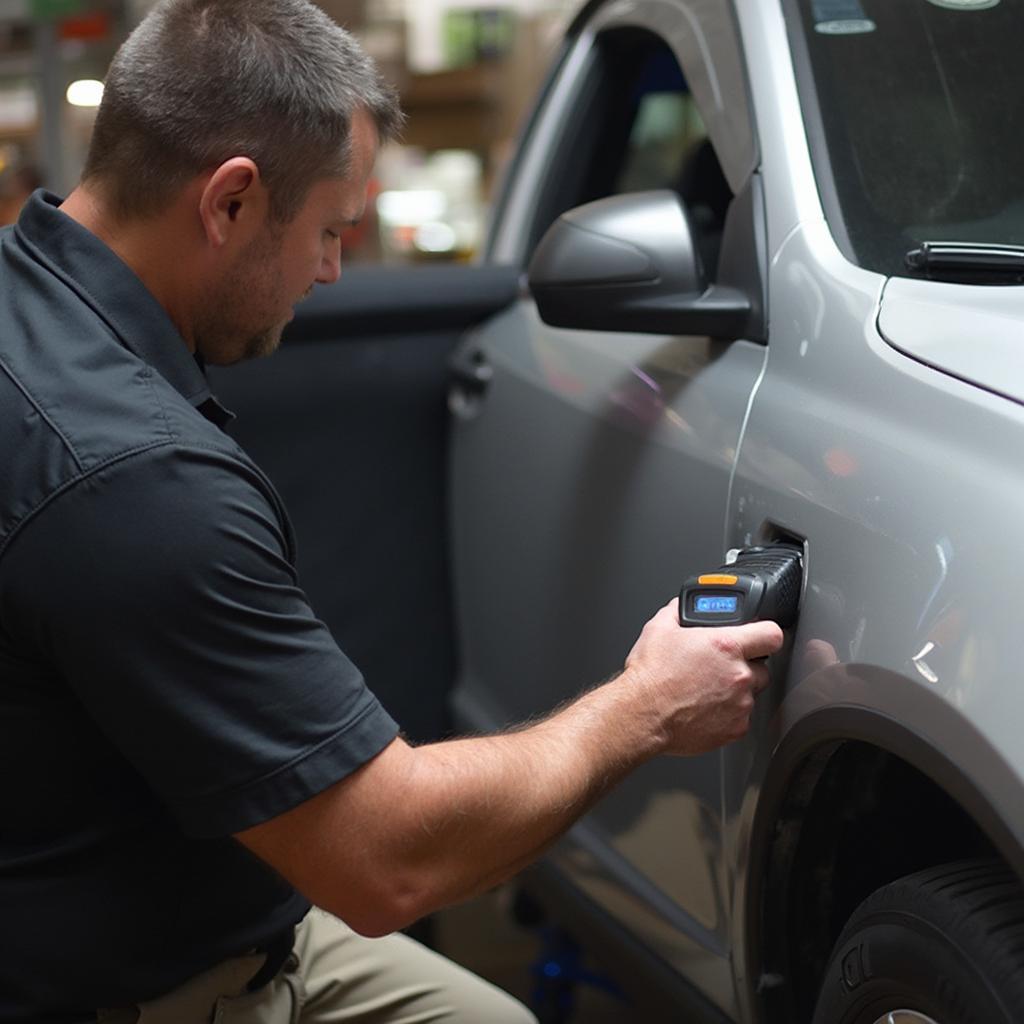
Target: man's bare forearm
x,y
484,808
417,828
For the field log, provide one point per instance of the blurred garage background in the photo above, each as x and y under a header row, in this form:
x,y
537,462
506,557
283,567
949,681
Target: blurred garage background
x,y
466,69
467,72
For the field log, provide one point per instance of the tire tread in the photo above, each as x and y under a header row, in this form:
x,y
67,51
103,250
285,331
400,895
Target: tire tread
x,y
978,905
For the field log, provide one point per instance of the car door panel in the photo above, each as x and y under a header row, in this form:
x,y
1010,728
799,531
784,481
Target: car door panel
x,y
349,420
590,481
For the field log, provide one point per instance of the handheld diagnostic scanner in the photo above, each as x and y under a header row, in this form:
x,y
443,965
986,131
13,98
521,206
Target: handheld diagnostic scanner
x,y
762,583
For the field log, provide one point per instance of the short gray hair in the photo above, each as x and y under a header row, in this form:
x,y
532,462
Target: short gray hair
x,y
201,81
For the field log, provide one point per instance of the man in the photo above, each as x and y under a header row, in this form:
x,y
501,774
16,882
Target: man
x,y
187,760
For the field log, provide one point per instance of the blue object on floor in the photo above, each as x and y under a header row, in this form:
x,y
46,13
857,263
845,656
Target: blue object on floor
x,y
558,970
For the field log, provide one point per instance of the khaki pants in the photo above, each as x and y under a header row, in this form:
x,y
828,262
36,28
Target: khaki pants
x,y
334,975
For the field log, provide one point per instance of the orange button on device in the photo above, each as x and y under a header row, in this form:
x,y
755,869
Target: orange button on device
x,y
718,580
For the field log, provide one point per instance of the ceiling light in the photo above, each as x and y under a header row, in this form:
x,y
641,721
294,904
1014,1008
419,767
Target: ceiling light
x,y
86,92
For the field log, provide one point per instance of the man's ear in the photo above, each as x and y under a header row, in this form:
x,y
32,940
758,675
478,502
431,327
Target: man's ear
x,y
233,202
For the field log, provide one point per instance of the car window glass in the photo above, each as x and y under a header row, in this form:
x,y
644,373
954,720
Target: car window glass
x,y
636,127
921,122
667,124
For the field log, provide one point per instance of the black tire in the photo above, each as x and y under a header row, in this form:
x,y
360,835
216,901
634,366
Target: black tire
x,y
947,943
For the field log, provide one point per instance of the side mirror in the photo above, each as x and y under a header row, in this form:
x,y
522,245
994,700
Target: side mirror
x,y
629,263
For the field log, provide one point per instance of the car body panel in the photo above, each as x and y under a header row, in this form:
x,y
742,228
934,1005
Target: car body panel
x,y
903,481
970,331
903,552
792,196
851,443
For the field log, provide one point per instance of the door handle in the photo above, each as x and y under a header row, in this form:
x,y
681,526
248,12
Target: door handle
x,y
471,375
471,372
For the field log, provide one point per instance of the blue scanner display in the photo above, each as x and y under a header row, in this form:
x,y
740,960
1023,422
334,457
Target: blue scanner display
x,y
716,605
759,583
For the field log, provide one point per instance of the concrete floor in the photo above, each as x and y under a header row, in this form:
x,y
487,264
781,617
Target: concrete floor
x,y
482,936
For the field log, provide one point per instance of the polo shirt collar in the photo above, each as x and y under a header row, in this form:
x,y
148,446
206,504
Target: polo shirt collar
x,y
107,284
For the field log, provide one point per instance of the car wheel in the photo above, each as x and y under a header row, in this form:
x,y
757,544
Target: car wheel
x,y
942,946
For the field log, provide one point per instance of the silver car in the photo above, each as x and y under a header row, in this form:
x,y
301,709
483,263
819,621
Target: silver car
x,y
775,253
767,335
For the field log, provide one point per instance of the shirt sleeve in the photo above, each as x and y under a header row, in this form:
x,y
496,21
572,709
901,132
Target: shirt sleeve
x,y
161,592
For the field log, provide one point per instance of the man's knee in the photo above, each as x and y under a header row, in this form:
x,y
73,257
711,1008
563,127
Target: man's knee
x,y
504,1010
473,999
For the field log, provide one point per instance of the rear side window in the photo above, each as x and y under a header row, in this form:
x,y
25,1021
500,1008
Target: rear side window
x,y
920,120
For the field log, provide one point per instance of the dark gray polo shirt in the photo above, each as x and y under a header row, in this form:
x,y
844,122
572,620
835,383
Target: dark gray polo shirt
x,y
163,681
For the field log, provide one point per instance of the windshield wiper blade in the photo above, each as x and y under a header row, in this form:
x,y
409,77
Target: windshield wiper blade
x,y
976,262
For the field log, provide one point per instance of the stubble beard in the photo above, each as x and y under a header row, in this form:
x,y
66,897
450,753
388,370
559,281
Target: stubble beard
x,y
248,295
266,343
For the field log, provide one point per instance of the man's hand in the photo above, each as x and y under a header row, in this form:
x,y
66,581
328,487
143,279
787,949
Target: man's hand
x,y
700,681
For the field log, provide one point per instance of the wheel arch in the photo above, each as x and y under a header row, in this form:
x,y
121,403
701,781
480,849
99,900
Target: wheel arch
x,y
839,775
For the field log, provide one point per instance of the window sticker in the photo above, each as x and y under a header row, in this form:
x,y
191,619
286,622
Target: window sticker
x,y
842,18
964,5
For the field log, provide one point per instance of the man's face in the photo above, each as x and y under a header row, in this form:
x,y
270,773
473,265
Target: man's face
x,y
245,311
